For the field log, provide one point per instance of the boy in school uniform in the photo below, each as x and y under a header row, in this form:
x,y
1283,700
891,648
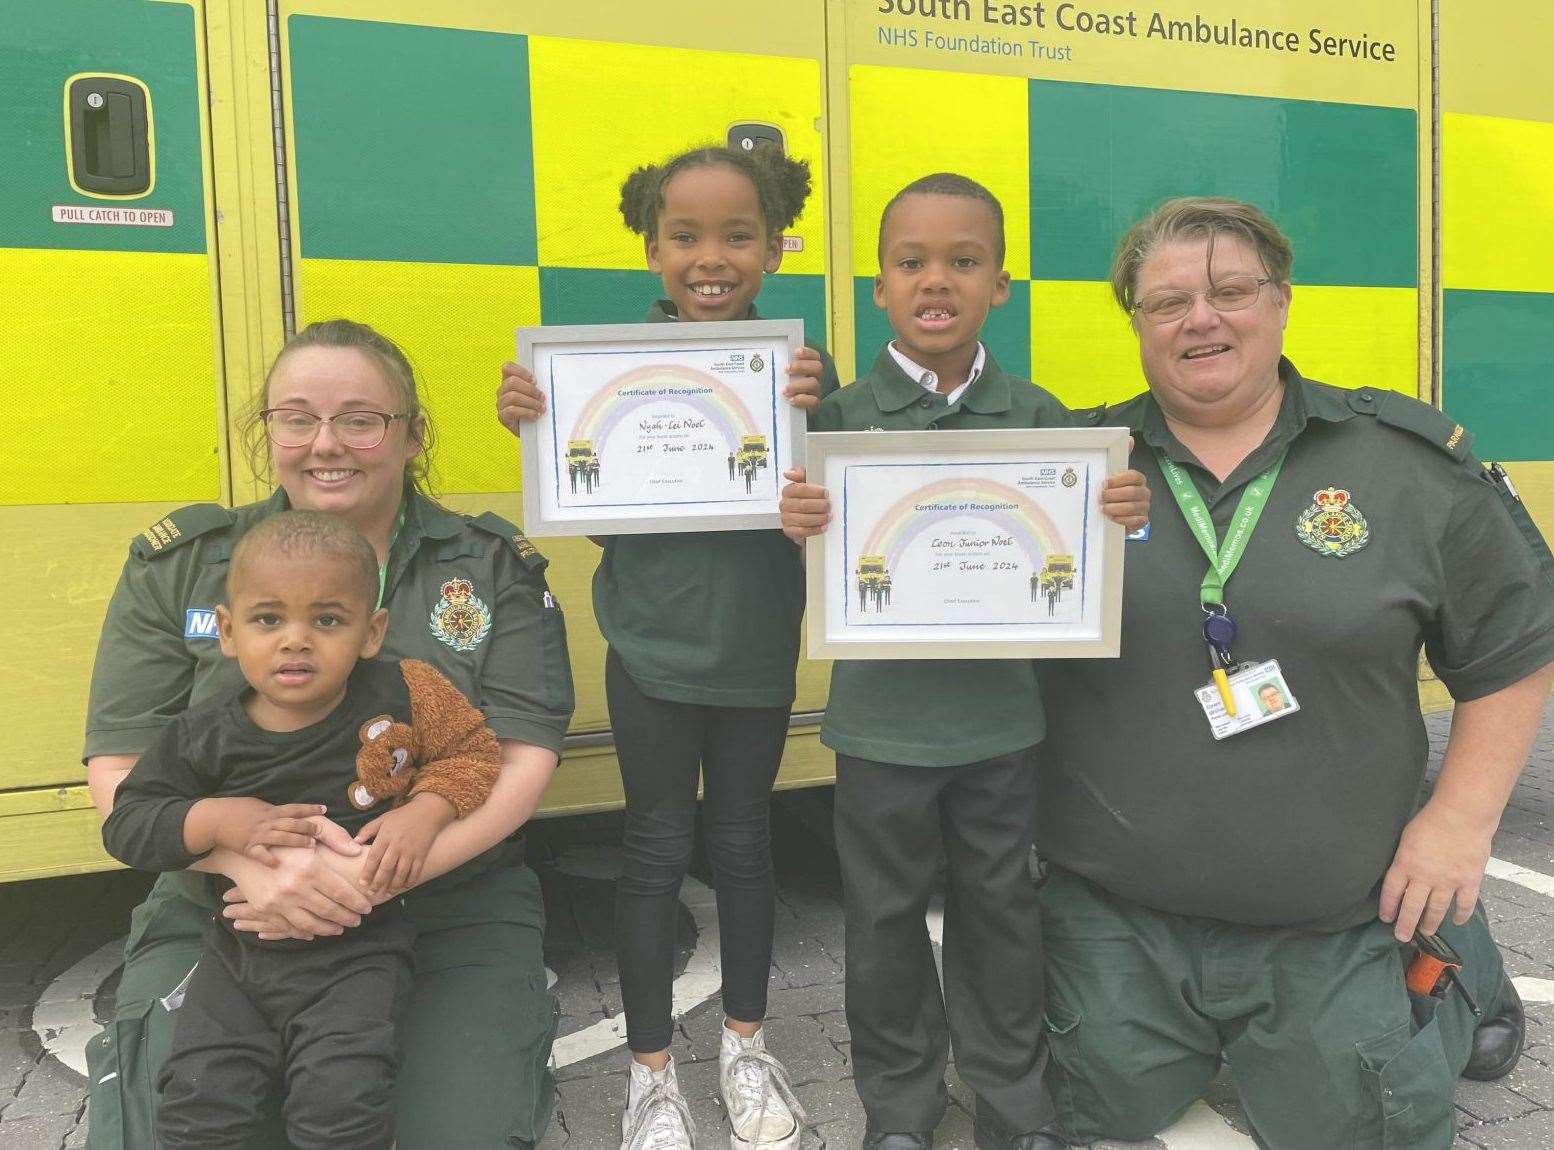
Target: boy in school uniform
x,y
938,757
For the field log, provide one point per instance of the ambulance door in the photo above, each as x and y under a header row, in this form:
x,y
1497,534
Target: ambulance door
x,y
1497,239
1082,117
454,173
110,390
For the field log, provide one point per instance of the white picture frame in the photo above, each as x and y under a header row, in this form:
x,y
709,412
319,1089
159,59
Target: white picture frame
x,y
966,545
659,427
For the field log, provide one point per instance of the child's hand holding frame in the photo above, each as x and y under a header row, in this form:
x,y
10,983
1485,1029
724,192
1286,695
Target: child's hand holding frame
x,y
401,840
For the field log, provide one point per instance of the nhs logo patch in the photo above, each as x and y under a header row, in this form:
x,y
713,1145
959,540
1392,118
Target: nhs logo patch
x,y
199,623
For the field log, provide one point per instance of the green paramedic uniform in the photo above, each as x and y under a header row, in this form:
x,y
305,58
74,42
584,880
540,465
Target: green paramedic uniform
x,y
705,617
1222,896
479,1022
936,760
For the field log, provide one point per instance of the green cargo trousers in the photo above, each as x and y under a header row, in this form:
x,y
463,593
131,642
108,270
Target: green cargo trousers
x,y
1324,1042
474,1039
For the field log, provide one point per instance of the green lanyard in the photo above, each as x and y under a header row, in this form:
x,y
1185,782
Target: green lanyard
x,y
399,521
1222,559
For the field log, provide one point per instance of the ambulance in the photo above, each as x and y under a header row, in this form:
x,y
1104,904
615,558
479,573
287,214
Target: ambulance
x,y
1057,575
188,181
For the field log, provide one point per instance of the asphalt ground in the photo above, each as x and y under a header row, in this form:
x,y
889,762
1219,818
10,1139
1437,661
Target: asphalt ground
x,y
60,941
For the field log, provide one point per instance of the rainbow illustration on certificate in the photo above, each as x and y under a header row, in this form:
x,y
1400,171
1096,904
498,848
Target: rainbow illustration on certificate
x,y
680,431
970,549
965,548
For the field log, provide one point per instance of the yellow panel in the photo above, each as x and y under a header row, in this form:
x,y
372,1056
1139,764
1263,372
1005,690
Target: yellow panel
x,y
792,28
1083,350
1102,43
1497,210
60,567
1082,347
1433,696
45,801
1356,337
58,843
242,153
456,322
1535,484
907,123
814,679
1495,58
108,370
583,91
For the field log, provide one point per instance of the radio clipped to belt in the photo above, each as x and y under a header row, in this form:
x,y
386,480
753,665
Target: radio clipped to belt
x,y
1435,968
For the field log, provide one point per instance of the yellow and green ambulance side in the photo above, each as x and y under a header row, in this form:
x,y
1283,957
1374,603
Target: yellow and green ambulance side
x,y
187,180
1495,306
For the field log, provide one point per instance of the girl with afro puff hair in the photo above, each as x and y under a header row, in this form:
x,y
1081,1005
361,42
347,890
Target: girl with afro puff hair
x,y
703,632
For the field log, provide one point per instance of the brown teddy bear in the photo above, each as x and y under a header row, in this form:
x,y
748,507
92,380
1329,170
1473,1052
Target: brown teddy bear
x,y
446,748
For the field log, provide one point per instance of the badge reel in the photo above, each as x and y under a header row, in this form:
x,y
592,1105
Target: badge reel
x,y
1239,697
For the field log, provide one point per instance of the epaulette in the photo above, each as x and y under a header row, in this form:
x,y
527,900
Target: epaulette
x,y
494,524
178,527
1408,414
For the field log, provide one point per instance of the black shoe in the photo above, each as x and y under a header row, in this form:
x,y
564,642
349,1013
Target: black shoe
x,y
989,1136
1498,1039
874,1140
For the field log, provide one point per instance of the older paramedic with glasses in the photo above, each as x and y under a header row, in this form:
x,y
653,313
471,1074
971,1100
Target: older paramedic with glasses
x,y
1229,880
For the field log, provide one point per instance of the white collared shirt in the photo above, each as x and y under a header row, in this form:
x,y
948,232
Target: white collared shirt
x,y
930,380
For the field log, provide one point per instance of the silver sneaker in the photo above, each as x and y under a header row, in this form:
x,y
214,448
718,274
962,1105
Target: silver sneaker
x,y
763,1113
656,1117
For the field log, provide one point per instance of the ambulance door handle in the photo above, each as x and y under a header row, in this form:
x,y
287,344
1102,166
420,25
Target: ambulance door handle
x,y
110,137
751,134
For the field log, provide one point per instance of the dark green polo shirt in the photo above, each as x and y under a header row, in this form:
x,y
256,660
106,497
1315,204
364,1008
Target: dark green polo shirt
x,y
706,617
158,654
1295,822
934,712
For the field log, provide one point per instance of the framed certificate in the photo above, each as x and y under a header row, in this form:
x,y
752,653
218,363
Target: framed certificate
x,y
966,545
659,427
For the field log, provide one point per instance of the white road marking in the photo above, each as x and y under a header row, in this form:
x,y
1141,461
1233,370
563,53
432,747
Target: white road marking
x,y
700,980
1202,1128
1521,876
62,1017
64,1021
1534,990
935,921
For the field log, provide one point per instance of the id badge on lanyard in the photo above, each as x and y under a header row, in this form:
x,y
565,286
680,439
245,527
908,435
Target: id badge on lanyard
x,y
1237,697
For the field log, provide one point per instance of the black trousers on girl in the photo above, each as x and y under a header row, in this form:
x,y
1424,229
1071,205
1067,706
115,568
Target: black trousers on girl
x,y
663,748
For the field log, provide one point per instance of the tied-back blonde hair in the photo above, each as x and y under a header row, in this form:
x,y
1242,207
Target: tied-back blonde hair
x,y
390,361
1197,218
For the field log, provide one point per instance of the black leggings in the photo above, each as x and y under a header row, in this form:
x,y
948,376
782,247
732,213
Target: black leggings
x,y
662,747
